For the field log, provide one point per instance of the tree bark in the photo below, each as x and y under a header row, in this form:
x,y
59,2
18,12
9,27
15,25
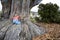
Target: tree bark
x,y
6,8
24,31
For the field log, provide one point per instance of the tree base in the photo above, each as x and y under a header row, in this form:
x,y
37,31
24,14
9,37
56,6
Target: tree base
x,y
24,31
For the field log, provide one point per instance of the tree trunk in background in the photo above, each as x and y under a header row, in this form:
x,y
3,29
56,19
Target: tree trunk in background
x,y
16,7
26,30
20,7
6,8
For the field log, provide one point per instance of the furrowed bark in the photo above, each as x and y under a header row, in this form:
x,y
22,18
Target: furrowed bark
x,y
26,30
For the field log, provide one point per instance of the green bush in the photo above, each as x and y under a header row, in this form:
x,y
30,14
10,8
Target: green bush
x,y
37,19
58,18
49,12
32,19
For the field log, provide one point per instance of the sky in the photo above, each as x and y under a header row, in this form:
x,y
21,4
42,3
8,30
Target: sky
x,y
35,9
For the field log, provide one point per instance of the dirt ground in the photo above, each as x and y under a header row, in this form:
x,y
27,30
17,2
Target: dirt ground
x,y
53,32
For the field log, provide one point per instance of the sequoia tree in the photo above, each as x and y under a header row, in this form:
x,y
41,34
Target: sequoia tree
x,y
26,30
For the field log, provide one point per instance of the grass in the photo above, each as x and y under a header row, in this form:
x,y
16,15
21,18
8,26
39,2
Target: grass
x,y
53,31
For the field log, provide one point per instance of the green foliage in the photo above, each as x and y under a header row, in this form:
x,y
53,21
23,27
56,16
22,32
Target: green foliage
x,y
58,18
49,12
37,19
32,19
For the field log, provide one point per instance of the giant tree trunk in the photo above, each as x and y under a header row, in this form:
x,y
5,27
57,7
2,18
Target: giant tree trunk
x,y
6,8
26,30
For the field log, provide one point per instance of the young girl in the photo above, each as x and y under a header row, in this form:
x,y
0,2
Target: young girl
x,y
16,20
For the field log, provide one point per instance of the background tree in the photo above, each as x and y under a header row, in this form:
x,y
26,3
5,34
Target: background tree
x,y
48,12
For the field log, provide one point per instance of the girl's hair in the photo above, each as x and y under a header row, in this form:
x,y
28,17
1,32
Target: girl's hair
x,y
15,14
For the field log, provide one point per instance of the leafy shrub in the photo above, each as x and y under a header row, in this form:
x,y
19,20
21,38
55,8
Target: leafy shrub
x,y
37,19
32,19
49,12
58,18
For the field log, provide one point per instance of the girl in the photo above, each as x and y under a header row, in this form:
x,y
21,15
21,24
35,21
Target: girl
x,y
16,20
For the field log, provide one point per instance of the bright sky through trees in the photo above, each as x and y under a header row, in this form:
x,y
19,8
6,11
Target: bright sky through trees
x,y
35,9
0,6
